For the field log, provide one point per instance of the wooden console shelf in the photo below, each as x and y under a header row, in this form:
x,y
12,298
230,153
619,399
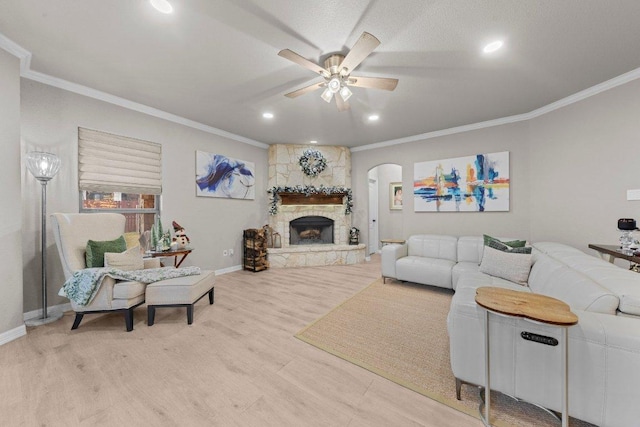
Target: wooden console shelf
x,y
314,199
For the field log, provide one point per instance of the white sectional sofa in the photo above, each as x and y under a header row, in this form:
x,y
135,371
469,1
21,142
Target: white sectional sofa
x,y
604,347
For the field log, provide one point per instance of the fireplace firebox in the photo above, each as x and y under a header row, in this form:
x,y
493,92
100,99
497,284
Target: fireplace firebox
x,y
311,230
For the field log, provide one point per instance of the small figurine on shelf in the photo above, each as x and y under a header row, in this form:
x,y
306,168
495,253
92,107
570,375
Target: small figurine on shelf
x,y
354,234
180,236
160,239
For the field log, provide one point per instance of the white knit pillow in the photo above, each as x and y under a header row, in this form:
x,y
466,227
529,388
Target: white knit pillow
x,y
511,266
131,259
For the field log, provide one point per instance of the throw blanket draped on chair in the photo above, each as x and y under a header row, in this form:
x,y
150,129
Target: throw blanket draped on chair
x,y
84,284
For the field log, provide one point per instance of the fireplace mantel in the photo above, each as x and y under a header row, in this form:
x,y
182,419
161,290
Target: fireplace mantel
x,y
312,199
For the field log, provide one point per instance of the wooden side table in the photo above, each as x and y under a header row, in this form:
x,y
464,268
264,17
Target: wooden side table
x,y
182,253
390,241
533,307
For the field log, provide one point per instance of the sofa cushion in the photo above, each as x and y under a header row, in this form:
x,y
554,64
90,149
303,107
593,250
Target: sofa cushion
x,y
430,271
512,266
460,269
95,250
128,290
555,279
433,246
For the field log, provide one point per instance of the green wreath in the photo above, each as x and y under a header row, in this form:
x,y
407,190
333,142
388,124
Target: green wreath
x,y
312,162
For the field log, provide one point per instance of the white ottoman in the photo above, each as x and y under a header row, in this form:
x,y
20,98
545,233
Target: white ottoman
x,y
179,292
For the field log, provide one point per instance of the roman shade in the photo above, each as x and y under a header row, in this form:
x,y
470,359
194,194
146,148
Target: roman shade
x,y
111,163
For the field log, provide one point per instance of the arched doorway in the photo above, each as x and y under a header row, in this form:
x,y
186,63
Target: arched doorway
x,y
385,204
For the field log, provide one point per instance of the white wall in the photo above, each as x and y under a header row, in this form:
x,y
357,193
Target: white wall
x,y
513,138
10,206
584,158
50,118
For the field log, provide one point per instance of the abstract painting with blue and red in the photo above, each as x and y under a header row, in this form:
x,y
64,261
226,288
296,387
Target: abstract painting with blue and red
x,y
478,183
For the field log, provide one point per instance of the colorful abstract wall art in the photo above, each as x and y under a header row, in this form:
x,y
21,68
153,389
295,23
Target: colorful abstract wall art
x,y
477,183
221,176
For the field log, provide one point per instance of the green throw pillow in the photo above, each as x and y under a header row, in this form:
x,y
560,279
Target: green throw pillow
x,y
515,246
94,256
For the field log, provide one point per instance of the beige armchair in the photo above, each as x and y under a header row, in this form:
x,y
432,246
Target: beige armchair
x,y
71,232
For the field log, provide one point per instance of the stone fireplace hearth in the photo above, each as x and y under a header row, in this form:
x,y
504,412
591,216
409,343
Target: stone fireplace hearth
x,y
333,247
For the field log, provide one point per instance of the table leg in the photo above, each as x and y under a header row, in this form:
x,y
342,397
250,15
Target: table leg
x,y
487,371
565,378
177,263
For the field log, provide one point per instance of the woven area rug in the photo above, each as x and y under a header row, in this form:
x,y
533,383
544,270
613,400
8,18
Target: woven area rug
x,y
399,331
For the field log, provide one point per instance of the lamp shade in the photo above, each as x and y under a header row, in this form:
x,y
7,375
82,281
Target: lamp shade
x,y
43,166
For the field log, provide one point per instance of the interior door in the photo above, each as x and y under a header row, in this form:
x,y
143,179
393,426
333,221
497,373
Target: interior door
x,y
373,216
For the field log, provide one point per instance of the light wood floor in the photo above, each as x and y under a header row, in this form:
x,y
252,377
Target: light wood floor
x,y
237,365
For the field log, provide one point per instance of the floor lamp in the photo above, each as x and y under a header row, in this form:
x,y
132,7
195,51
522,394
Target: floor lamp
x,y
43,166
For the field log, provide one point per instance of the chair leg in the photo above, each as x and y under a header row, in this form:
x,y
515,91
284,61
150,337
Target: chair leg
x,y
190,314
128,319
211,296
151,315
77,321
458,388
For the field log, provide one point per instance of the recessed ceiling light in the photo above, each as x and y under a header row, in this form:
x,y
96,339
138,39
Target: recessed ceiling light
x,y
162,6
373,117
267,115
493,46
313,142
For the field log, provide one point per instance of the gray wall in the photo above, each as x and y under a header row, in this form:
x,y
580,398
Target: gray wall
x,y
570,170
10,207
512,138
50,118
584,158
389,221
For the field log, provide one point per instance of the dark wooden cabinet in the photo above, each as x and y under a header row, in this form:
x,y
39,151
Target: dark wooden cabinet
x,y
255,249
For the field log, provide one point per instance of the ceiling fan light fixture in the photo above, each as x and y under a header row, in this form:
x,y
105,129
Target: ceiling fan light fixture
x,y
334,85
345,93
327,95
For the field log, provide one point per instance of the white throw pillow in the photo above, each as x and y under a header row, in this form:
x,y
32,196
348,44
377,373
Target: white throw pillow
x,y
511,266
131,259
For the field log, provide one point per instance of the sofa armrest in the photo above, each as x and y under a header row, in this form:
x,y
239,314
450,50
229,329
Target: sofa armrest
x,y
390,254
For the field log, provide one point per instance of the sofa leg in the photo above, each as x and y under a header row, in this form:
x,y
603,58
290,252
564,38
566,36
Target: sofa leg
x,y
151,315
384,280
128,319
190,314
77,321
458,388
211,296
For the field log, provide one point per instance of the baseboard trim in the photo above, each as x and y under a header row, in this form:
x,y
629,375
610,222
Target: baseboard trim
x,y
228,270
60,308
13,334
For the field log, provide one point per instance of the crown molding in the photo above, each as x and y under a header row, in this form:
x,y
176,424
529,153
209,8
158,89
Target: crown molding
x,y
571,99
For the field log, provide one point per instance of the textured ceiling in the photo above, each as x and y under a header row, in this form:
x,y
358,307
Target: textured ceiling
x,y
216,62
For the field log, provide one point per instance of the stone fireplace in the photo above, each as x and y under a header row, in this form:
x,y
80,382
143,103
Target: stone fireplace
x,y
299,218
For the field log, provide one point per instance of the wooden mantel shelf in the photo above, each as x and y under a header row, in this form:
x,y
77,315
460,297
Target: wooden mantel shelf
x,y
313,199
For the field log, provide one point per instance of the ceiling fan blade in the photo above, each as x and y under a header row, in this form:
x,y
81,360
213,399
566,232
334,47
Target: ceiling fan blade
x,y
307,89
303,62
373,82
342,105
363,47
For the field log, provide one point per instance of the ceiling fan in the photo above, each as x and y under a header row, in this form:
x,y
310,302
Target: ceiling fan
x,y
337,72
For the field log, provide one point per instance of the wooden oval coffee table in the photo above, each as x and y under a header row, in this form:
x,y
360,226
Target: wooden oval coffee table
x,y
533,307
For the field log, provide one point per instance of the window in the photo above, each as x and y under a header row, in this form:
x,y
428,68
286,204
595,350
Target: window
x,y
120,174
139,209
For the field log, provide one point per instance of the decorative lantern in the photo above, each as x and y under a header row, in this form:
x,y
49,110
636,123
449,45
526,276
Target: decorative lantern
x,y
277,240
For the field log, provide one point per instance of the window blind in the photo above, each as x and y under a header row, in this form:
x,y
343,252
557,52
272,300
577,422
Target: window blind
x,y
111,163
